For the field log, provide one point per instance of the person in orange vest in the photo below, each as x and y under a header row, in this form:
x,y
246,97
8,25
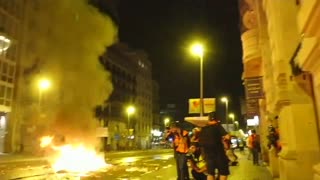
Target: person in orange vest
x,y
254,144
181,144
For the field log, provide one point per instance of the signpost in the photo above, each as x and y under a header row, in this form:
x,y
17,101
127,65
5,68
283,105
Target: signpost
x,y
209,105
254,92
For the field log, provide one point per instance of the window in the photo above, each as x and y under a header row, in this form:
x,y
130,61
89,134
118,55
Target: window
x,y
2,90
9,93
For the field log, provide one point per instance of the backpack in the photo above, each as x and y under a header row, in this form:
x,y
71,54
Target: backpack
x,y
256,141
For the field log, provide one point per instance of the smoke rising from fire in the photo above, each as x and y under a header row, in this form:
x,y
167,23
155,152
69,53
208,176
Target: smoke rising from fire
x,y
64,40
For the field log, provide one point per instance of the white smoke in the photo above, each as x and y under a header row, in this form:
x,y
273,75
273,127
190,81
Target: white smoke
x,y
64,40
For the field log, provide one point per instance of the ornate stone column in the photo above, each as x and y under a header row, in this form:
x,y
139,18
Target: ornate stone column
x,y
252,61
292,99
308,59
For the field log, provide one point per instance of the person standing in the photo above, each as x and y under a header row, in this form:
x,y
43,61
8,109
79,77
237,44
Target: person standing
x,y
182,142
254,141
211,139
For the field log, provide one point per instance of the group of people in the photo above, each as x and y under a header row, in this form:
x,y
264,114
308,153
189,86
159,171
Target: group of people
x,y
206,151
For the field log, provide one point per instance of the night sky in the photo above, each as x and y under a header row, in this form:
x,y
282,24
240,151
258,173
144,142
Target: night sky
x,y
165,30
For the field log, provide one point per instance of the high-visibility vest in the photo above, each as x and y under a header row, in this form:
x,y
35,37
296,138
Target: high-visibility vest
x,y
181,143
201,162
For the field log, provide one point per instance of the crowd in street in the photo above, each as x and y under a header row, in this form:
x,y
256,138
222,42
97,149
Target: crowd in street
x,y
207,152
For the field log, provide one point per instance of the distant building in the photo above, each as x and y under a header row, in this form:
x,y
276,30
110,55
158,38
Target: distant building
x,y
156,106
132,81
11,25
144,99
123,73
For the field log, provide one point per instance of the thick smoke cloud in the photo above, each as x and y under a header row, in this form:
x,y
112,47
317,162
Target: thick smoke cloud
x,y
64,40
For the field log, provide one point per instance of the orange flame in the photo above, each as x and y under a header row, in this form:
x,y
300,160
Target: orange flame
x,y
45,141
74,158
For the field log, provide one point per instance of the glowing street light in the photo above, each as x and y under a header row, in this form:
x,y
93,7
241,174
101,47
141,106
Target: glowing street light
x,y
236,124
225,100
231,116
130,110
166,121
43,85
5,42
198,50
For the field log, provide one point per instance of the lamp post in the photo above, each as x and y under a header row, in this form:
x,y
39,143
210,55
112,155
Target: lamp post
x,y
43,85
231,116
225,100
130,110
166,121
236,124
5,42
198,50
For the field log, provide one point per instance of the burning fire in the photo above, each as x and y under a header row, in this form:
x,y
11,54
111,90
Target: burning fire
x,y
73,158
46,141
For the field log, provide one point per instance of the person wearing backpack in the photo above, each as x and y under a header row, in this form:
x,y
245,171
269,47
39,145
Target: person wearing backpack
x,y
254,141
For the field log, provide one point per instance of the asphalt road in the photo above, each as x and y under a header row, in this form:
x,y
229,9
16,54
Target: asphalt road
x,y
132,165
137,166
122,165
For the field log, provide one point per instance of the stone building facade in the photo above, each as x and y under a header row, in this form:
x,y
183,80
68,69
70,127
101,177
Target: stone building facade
x,y
132,81
280,45
11,26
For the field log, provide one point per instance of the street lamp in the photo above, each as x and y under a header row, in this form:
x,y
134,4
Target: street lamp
x,y
231,116
236,124
225,100
198,50
130,110
5,42
166,121
43,85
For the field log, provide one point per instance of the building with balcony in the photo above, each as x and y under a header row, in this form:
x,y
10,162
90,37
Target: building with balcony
x,y
11,20
280,50
144,99
131,77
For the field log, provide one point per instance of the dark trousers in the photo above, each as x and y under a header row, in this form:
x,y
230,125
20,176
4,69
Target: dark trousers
x,y
182,167
198,176
255,155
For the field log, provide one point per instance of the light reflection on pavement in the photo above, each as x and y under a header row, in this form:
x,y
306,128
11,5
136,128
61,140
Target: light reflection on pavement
x,y
134,168
140,165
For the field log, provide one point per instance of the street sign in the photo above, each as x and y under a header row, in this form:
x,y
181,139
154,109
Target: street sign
x,y
209,105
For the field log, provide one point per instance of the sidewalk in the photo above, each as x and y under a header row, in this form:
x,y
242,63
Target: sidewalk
x,y
11,158
244,171
247,171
